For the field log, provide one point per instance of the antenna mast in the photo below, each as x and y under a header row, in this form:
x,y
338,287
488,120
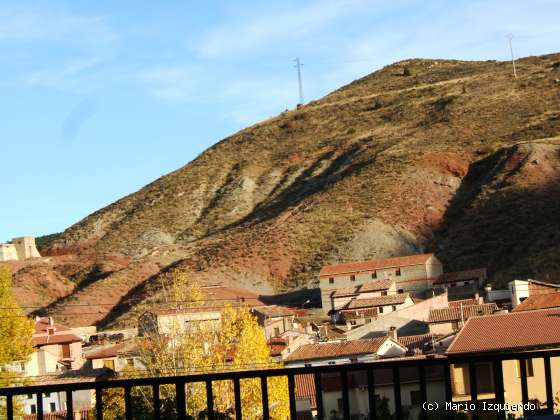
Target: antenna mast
x,y
300,85
510,37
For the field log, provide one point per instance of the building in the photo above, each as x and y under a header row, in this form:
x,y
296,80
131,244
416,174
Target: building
x,y
362,311
341,297
19,249
475,277
282,347
275,320
57,351
408,320
522,289
502,333
178,321
117,357
414,273
334,353
543,301
445,321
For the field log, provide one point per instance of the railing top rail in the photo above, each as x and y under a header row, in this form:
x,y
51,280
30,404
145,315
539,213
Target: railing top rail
x,y
245,374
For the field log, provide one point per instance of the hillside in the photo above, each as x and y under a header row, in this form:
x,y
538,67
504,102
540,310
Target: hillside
x,y
456,157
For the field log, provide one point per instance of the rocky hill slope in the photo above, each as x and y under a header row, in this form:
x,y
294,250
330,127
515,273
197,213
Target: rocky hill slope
x,y
450,156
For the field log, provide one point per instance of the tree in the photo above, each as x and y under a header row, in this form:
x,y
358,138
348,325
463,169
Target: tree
x,y
238,344
16,331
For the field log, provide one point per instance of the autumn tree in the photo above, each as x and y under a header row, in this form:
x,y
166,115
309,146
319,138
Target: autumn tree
x,y
238,344
16,330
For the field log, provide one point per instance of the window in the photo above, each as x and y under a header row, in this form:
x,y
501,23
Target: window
x,y
352,277
331,280
368,321
467,283
400,291
332,363
130,362
29,396
47,395
528,367
109,364
384,293
374,275
276,331
394,307
50,331
415,397
33,409
307,365
22,366
65,348
453,285
381,309
52,406
397,272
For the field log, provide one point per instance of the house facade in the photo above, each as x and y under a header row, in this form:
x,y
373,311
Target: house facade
x,y
275,320
362,311
178,321
413,274
444,321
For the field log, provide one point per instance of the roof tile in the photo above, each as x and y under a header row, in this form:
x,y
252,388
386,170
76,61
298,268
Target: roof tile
x,y
353,267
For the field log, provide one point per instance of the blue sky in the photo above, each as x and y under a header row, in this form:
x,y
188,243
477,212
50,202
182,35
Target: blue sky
x,y
99,98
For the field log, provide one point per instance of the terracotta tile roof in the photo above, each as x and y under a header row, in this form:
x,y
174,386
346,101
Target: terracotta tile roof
x,y
377,301
364,266
478,273
464,302
413,342
370,286
544,301
112,351
273,311
305,389
454,313
359,313
44,340
338,349
277,345
512,331
42,324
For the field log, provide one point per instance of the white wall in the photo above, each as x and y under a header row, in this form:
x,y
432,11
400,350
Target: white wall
x,y
519,290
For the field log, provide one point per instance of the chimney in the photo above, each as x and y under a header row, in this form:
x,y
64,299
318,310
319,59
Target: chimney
x,y
478,298
392,333
51,321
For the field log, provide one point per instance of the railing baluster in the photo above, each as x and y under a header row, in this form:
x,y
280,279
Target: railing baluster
x,y
423,390
157,402
99,403
371,394
397,391
127,403
237,394
448,389
474,389
264,392
319,395
181,403
523,375
548,385
10,407
69,405
499,387
39,406
345,399
209,400
292,396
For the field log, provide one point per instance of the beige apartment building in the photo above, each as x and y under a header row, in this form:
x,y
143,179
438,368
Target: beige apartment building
x,y
413,273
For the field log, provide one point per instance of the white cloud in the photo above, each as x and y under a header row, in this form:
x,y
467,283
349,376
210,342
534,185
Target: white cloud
x,y
175,83
75,76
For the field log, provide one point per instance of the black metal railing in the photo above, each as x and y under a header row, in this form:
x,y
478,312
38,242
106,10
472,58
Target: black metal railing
x,y
426,383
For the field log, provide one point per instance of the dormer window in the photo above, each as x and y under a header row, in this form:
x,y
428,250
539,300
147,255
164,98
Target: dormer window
x,y
352,277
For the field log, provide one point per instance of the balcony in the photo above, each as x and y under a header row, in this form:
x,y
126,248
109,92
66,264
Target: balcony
x,y
472,386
